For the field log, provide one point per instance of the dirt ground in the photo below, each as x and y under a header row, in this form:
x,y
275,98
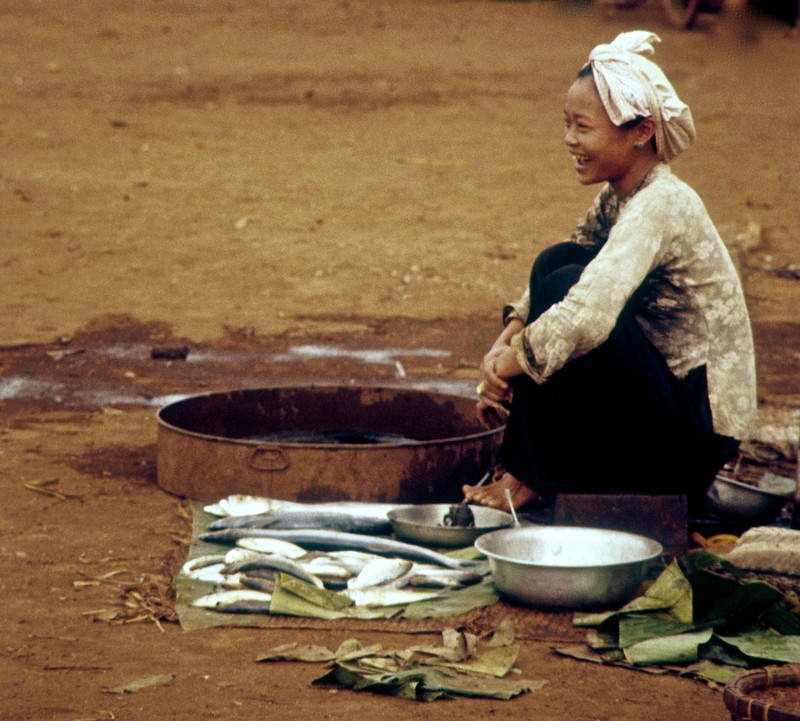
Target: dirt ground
x,y
250,179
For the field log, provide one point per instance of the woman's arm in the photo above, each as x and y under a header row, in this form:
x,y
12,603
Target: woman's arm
x,y
498,365
638,242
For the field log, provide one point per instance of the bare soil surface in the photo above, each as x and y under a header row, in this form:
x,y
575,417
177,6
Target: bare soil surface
x,y
341,191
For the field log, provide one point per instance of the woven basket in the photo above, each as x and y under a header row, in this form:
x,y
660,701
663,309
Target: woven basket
x,y
744,707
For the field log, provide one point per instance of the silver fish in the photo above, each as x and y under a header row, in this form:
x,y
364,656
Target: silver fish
x,y
400,581
264,573
214,600
354,561
434,581
465,576
215,574
270,545
274,562
332,583
381,596
325,566
237,505
333,540
246,606
239,554
424,575
333,575
258,583
336,521
195,564
380,571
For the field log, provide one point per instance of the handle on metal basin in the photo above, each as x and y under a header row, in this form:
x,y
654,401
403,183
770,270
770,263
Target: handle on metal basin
x,y
269,458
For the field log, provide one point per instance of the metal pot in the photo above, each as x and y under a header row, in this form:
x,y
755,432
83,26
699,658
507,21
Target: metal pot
x,y
429,444
744,502
568,567
424,524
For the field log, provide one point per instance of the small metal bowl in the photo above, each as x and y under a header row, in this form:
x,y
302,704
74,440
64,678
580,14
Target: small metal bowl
x,y
566,567
424,524
744,502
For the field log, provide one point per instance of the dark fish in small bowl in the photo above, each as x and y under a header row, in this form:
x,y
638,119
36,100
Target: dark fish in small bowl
x,y
425,524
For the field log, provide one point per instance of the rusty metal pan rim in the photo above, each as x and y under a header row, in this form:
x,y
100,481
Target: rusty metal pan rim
x,y
326,446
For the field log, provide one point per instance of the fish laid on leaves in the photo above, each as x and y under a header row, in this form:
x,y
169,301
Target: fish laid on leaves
x,y
195,564
243,600
328,570
257,582
333,540
333,520
269,545
324,563
382,596
434,577
217,575
241,504
224,598
380,572
374,581
273,562
353,561
385,574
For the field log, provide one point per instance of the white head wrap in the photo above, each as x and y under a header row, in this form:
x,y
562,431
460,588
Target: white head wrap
x,y
632,86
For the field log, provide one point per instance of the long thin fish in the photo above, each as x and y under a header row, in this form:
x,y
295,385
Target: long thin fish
x,y
433,579
354,561
218,598
382,596
274,563
237,505
331,540
246,606
257,583
195,564
380,571
350,523
324,566
267,546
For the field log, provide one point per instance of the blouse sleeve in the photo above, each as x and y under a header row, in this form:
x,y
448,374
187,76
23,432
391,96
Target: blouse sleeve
x,y
636,244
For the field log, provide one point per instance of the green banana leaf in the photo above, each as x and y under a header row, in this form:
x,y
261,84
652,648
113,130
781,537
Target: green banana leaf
x,y
462,665
700,610
766,645
427,684
675,649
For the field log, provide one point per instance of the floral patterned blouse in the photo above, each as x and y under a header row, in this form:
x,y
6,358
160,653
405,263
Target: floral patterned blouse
x,y
693,311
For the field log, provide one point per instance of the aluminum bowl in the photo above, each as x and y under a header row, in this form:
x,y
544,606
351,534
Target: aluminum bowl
x,y
424,524
744,502
566,567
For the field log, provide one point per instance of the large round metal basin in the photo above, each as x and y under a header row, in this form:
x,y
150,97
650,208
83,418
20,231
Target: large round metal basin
x,y
567,567
422,446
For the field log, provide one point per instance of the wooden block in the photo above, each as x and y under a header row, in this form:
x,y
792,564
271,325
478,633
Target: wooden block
x,y
661,517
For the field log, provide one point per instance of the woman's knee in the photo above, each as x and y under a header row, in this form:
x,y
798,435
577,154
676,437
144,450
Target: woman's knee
x,y
552,288
560,255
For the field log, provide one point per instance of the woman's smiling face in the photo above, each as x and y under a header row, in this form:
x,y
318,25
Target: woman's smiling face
x,y
602,151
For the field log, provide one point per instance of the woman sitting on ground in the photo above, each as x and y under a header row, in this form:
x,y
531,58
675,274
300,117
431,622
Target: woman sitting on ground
x,y
628,364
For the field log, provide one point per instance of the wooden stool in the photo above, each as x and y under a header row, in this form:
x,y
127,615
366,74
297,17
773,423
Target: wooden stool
x,y
662,517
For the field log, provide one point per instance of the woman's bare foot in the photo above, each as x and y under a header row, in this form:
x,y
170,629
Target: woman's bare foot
x,y
493,494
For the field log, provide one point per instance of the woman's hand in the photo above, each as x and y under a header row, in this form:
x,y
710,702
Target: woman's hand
x,y
498,366
490,414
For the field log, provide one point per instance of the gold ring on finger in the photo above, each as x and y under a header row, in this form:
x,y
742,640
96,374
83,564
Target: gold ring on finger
x,y
481,387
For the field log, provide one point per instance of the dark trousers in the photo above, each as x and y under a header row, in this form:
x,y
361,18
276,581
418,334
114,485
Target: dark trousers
x,y
615,420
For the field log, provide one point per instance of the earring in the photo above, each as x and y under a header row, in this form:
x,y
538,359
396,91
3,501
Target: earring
x,y
639,145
